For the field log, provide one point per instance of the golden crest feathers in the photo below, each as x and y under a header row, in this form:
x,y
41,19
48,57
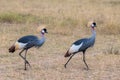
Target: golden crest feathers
x,y
41,27
90,23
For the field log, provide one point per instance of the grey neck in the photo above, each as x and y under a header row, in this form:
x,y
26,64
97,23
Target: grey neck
x,y
93,33
42,37
93,36
41,41
91,40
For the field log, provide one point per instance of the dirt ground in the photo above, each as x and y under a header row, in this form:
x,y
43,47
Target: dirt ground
x,y
47,62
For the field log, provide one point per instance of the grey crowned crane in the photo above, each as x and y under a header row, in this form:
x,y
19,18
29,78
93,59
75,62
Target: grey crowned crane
x,y
27,42
82,45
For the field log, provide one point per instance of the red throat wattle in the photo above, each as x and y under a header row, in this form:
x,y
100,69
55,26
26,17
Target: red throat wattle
x,y
93,28
42,33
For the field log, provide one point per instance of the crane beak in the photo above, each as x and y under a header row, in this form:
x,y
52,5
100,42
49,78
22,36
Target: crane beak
x,y
46,32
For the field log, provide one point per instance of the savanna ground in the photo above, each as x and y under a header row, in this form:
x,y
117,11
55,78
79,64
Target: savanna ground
x,y
66,22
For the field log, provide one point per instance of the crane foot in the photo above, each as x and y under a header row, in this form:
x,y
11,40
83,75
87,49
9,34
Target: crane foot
x,y
65,65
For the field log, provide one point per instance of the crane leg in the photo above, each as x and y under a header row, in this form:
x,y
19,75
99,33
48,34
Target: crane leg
x,y
68,60
25,59
26,62
85,61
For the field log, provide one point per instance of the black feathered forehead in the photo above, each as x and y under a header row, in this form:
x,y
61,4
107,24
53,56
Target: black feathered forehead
x,y
94,23
44,29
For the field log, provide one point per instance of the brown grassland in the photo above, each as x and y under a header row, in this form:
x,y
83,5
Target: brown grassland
x,y
66,22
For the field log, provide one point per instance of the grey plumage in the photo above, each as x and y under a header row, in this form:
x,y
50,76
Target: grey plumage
x,y
87,42
32,41
26,39
27,42
82,45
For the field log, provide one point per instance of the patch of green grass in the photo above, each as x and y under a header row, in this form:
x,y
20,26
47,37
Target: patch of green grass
x,y
47,20
10,17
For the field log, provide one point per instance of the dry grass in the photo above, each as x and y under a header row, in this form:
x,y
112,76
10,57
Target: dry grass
x,y
66,21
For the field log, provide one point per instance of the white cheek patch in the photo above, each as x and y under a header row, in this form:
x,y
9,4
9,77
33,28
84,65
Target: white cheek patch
x,y
92,25
43,31
75,48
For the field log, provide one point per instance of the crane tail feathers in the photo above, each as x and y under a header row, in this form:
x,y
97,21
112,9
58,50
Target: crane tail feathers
x,y
12,49
67,54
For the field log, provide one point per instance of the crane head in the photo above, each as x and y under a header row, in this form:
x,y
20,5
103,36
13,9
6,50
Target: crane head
x,y
92,24
44,30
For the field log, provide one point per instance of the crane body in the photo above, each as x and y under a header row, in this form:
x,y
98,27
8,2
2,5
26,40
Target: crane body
x,y
27,42
82,45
